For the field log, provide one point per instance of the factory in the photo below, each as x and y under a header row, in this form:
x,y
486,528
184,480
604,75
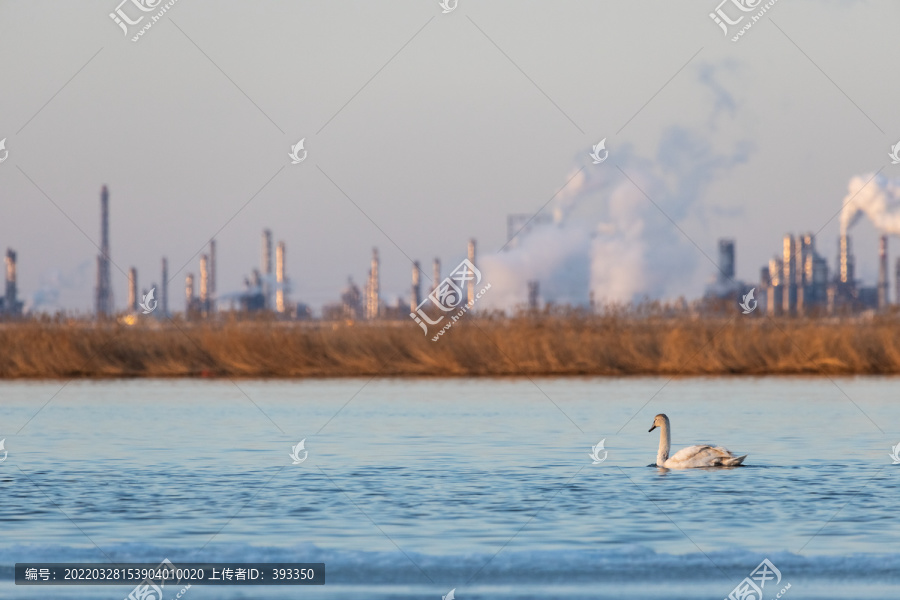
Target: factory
x,y
10,306
796,282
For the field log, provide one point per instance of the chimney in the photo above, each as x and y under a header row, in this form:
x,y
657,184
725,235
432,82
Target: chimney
x,y
726,261
164,289
845,261
882,273
103,301
280,304
267,267
533,292
471,286
10,302
204,283
436,274
374,292
212,276
189,292
789,295
132,290
775,299
415,297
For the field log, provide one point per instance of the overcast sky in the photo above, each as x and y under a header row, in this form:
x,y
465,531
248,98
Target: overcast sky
x,y
424,129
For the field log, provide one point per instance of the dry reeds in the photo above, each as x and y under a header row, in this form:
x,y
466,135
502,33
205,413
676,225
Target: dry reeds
x,y
534,346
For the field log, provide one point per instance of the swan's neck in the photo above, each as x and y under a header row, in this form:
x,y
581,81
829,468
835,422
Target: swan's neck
x,y
665,442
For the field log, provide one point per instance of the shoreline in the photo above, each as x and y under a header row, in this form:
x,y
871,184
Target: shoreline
x,y
534,346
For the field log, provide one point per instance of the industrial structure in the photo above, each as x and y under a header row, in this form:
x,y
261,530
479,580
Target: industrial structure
x,y
103,296
10,306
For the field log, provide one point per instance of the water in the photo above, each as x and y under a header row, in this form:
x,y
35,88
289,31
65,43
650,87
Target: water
x,y
414,487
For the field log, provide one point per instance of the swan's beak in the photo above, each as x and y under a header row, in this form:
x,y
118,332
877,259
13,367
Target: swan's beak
x,y
652,428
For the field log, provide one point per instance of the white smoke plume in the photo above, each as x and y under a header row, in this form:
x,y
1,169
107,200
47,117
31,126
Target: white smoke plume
x,y
879,200
607,236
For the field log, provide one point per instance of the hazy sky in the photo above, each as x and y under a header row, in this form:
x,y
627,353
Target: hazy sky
x,y
424,129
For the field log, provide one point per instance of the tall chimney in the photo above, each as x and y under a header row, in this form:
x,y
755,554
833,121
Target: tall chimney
x,y
164,289
436,274
471,286
882,273
533,292
280,304
267,267
373,301
11,304
845,261
132,290
212,276
416,294
789,295
775,300
726,260
897,281
188,292
204,283
103,301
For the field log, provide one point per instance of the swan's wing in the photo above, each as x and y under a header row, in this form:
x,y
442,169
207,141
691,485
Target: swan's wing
x,y
704,456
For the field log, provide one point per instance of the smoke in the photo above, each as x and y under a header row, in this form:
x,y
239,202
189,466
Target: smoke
x,y
614,230
879,200
55,282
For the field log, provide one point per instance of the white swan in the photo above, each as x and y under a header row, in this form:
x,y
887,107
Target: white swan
x,y
692,456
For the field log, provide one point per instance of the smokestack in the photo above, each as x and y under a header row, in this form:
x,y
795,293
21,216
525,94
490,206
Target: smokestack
x,y
436,274
188,292
103,301
726,260
212,276
204,283
789,295
11,304
897,282
132,290
774,301
533,292
845,260
267,267
373,289
416,295
471,286
164,289
280,305
882,273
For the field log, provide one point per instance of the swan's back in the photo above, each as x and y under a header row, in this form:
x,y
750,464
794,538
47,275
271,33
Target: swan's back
x,y
703,456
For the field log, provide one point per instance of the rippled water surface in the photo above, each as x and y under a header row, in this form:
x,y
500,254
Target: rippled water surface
x,y
414,487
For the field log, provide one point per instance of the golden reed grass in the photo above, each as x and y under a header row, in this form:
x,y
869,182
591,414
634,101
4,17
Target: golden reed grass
x,y
524,346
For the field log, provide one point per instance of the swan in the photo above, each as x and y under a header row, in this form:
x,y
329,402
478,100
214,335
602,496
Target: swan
x,y
692,456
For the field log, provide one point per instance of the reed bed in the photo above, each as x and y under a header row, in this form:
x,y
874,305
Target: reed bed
x,y
613,345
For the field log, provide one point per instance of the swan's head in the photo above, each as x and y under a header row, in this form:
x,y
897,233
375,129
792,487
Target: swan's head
x,y
659,420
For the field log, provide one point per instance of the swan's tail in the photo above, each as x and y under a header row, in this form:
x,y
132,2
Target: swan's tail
x,y
734,461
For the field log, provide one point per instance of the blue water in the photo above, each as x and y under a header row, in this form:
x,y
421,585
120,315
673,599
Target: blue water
x,y
414,487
